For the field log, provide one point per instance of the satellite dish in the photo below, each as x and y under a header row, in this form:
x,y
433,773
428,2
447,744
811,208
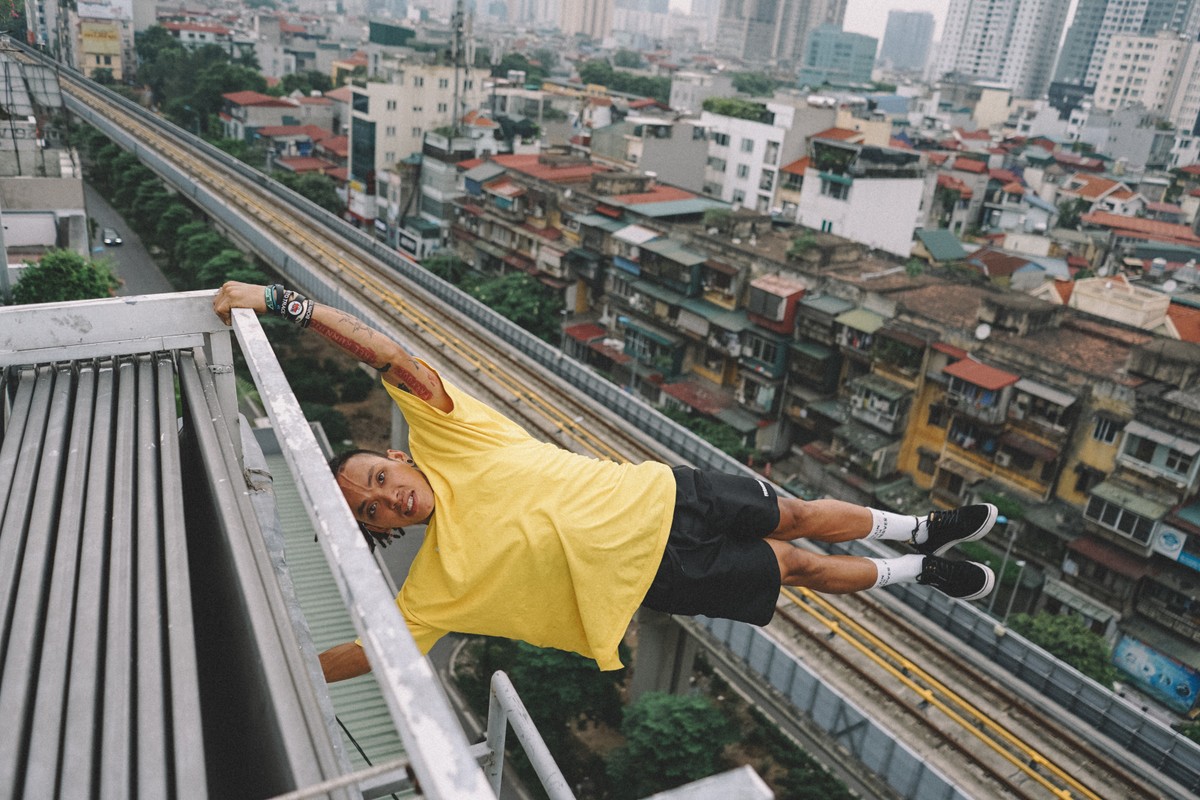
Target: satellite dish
x,y
983,331
1170,286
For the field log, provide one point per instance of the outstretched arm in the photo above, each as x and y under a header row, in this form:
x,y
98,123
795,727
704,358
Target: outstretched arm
x,y
344,661
351,335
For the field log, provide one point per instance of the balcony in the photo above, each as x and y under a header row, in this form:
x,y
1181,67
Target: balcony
x,y
975,409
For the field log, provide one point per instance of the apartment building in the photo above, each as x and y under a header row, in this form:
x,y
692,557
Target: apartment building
x,y
745,154
1013,42
867,194
1143,70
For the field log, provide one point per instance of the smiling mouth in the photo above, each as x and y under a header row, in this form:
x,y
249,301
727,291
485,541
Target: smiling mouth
x,y
408,505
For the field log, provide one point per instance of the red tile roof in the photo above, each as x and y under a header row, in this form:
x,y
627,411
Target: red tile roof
x,y
1064,289
970,165
659,194
938,158
797,167
1115,558
1168,208
196,27
947,181
1186,320
338,145
978,136
1013,188
249,98
981,375
899,144
585,332
839,134
1191,169
950,350
531,165
314,132
304,164
342,94
1143,228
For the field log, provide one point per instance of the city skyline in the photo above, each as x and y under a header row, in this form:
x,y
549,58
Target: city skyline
x,y
870,16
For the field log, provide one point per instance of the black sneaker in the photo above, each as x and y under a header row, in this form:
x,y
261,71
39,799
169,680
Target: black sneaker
x,y
966,580
948,528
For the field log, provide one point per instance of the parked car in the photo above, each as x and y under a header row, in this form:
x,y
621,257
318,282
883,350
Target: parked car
x,y
111,237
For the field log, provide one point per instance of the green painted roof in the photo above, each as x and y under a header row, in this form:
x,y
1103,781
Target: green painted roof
x,y
675,208
358,702
658,292
1128,497
942,244
669,248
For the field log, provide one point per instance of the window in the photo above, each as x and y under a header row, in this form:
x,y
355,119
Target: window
x,y
743,171
390,130
418,109
443,108
1105,430
937,416
747,145
834,190
1178,462
772,155
418,81
1122,520
926,461
763,350
416,132
443,83
716,163
391,105
766,181
720,139
739,196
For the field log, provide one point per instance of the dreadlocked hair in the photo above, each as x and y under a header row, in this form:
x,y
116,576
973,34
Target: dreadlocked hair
x,y
336,464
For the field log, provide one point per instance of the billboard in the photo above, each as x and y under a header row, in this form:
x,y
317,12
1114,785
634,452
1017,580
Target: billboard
x,y
1159,675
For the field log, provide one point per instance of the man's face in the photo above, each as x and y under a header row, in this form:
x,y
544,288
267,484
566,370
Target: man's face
x,y
386,493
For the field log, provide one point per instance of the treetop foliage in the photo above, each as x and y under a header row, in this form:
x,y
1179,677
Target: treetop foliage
x,y
1070,639
737,107
61,276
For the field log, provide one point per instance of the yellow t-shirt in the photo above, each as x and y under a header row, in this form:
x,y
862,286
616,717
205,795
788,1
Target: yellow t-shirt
x,y
528,541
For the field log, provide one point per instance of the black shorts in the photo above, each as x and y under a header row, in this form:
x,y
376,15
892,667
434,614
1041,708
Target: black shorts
x,y
716,562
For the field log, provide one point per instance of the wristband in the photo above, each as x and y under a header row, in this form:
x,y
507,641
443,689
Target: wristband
x,y
274,297
296,308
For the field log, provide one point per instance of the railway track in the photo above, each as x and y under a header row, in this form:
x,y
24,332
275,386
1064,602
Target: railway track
x,y
989,736
996,742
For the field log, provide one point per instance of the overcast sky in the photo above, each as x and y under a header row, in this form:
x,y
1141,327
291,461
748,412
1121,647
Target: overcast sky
x,y
870,16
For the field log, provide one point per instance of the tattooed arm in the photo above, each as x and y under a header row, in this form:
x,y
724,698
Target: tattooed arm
x,y
354,337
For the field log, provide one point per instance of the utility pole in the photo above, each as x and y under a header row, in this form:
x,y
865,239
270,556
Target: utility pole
x,y
457,48
5,289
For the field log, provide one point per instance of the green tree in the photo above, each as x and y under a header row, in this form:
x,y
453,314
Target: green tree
x,y
318,188
1190,729
1070,212
447,266
738,108
1070,639
718,434
150,203
334,421
103,76
802,244
62,275
561,688
755,84
228,265
308,81
628,59
596,71
193,252
534,73
526,302
168,225
669,740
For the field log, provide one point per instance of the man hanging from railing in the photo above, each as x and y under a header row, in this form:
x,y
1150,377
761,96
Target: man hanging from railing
x,y
529,541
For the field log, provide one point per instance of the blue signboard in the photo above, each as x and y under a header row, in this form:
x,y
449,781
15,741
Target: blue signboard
x,y
1159,675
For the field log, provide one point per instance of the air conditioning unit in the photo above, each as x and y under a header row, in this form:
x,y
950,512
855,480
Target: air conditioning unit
x,y
1003,459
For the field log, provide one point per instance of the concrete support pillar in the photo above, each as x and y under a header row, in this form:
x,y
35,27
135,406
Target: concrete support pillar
x,y
666,655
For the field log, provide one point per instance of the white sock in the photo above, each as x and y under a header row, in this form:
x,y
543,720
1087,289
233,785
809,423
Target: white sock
x,y
896,527
902,569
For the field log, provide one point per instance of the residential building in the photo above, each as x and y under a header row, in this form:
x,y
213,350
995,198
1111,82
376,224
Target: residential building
x,y
1013,42
836,57
773,31
906,41
671,149
744,155
867,194
1143,70
245,112
1101,194
689,90
593,18
194,35
103,41
1096,22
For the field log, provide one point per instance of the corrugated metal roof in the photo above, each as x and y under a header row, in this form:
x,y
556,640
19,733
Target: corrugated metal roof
x,y
979,374
359,703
